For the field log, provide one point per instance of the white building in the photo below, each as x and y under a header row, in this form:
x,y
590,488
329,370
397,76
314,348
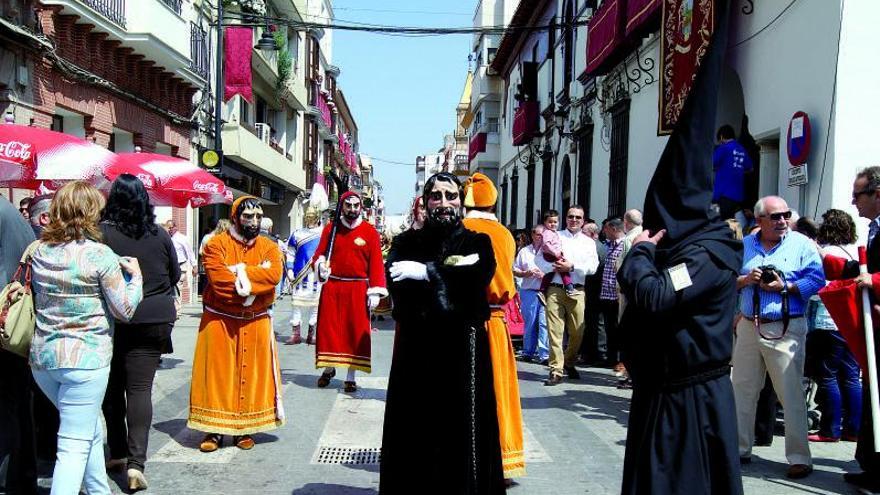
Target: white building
x,y
782,58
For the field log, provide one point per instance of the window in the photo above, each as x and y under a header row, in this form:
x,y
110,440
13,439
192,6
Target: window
x,y
566,183
568,47
490,55
244,111
619,159
546,183
530,193
585,169
57,123
503,205
514,197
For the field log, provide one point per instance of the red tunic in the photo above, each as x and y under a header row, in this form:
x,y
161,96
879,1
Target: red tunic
x,y
356,269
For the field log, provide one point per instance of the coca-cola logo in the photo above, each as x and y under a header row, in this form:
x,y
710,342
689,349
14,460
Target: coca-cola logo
x,y
206,186
16,149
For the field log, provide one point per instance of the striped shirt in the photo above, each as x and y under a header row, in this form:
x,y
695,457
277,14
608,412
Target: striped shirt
x,y
797,258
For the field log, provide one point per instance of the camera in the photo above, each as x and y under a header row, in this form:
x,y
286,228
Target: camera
x,y
769,272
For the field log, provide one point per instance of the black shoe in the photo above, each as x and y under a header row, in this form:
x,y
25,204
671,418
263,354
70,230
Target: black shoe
x,y
553,380
545,362
572,373
746,459
863,480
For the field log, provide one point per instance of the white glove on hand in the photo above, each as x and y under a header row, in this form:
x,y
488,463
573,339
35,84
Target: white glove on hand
x,y
290,275
322,269
372,301
412,270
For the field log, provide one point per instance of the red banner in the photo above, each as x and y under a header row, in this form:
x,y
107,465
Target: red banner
x,y
687,31
239,47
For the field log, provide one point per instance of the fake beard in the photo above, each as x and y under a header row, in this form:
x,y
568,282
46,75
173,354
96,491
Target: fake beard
x,y
444,217
351,216
248,231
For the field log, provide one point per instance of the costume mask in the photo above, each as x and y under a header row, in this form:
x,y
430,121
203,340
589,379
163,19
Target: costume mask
x,y
248,217
351,208
444,204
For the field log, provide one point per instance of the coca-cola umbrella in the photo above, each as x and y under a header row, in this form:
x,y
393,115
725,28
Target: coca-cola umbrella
x,y
31,157
170,181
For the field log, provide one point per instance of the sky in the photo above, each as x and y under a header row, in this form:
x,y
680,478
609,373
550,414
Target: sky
x,y
402,91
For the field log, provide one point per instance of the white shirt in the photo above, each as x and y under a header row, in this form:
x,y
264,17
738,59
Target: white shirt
x,y
524,262
184,250
577,249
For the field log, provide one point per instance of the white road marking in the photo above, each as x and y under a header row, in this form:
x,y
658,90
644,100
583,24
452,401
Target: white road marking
x,y
533,449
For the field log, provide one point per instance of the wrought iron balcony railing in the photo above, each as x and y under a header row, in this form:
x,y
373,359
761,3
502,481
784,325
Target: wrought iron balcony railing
x,y
113,10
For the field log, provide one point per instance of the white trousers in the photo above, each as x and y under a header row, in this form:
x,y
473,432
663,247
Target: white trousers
x,y
783,359
300,314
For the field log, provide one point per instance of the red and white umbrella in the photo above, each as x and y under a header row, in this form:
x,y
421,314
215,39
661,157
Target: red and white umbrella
x,y
170,181
33,157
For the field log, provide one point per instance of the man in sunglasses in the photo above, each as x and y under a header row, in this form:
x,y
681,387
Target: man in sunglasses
x,y
564,310
866,198
781,270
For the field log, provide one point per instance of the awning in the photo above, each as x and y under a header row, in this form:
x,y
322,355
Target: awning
x,y
604,36
642,15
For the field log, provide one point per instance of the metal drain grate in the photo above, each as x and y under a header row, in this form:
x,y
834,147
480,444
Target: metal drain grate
x,y
348,455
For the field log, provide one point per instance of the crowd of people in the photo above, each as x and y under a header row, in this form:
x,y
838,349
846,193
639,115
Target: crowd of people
x,y
105,278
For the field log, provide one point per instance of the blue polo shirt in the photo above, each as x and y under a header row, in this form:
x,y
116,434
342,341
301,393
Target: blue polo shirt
x,y
797,258
730,162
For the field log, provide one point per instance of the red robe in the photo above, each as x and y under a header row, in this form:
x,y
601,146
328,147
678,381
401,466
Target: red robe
x,y
356,270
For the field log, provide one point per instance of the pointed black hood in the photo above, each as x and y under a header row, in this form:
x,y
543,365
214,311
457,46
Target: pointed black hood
x,y
680,193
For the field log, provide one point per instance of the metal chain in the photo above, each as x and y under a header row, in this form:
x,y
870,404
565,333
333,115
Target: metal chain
x,y
473,363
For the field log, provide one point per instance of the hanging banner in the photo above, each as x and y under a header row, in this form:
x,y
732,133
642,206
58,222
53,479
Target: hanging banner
x,y
687,31
239,47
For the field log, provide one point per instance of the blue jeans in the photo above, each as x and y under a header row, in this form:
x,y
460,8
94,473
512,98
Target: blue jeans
x,y
837,373
535,344
78,395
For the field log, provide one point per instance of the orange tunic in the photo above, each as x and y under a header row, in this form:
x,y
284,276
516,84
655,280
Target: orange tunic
x,y
501,289
236,382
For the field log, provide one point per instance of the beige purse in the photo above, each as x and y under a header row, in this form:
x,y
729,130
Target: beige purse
x,y
17,316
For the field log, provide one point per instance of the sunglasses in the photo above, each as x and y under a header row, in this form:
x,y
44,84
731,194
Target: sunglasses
x,y
778,216
856,195
574,217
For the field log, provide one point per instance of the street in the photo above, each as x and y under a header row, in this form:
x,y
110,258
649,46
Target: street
x,y
574,434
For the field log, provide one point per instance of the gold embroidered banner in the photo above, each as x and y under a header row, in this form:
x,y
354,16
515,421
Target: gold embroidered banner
x,y
687,31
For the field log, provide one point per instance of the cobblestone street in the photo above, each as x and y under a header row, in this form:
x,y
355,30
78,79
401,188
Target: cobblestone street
x,y
575,434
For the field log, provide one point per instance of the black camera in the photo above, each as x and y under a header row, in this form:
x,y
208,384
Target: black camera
x,y
769,272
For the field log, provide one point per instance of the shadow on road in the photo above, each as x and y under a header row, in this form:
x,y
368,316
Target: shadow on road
x,y
820,481
328,488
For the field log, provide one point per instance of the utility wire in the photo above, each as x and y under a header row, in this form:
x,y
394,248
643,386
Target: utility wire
x,y
392,11
749,38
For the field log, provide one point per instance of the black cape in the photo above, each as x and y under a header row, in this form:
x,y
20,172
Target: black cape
x,y
427,444
677,344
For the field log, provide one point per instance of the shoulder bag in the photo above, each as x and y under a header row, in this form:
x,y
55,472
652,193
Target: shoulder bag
x,y
17,316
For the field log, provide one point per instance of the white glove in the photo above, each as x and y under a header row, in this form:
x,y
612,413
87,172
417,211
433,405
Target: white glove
x,y
322,269
412,270
372,301
290,275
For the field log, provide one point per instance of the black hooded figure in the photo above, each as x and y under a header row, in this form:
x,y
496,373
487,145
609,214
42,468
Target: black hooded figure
x,y
678,324
441,428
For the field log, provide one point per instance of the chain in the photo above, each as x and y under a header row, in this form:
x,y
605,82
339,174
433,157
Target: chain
x,y
473,363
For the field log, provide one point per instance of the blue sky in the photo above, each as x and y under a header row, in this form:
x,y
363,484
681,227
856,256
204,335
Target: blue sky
x,y
402,90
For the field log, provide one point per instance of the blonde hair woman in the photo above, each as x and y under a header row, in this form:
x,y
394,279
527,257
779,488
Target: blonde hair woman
x,y
79,286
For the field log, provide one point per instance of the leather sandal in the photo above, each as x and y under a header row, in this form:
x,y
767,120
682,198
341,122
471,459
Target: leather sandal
x,y
211,442
350,387
244,442
325,378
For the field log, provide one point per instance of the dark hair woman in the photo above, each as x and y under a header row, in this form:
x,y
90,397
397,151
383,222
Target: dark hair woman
x,y
829,360
129,227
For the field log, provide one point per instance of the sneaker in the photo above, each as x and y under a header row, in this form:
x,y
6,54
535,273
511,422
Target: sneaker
x,y
572,373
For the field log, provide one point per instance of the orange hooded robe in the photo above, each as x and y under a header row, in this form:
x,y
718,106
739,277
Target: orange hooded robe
x,y
236,382
501,290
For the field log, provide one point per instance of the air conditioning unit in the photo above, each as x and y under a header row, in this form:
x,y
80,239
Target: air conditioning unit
x,y
264,132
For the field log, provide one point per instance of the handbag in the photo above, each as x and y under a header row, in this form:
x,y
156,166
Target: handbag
x,y
513,316
17,316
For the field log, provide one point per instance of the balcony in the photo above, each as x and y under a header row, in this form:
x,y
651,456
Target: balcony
x,y
525,122
246,146
200,51
156,29
484,145
485,87
295,93
265,64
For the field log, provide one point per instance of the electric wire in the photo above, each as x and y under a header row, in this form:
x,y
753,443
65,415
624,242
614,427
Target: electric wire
x,y
773,21
830,112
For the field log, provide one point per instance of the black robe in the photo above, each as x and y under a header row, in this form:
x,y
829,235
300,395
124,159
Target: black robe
x,y
682,434
427,437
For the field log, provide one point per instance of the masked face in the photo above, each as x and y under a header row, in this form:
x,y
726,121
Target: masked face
x,y
351,209
444,204
249,218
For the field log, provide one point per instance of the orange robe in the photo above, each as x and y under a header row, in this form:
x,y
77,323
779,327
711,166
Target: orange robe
x,y
236,382
501,289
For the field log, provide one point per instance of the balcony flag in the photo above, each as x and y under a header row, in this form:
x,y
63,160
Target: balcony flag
x,y
687,31
239,42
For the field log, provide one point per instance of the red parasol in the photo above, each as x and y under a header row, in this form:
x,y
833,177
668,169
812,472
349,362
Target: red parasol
x,y
170,181
31,157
